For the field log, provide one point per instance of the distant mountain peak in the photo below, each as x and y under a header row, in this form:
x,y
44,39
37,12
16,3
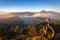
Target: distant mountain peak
x,y
43,11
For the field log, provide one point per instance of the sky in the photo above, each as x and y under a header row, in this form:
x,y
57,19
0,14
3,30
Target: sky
x,y
29,5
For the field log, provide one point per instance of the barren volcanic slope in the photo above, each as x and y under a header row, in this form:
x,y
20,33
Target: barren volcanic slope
x,y
8,19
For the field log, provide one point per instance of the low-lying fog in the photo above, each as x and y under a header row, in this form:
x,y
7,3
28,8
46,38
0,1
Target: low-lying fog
x,y
30,17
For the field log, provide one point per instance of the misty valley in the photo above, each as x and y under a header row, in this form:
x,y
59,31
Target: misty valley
x,y
43,25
